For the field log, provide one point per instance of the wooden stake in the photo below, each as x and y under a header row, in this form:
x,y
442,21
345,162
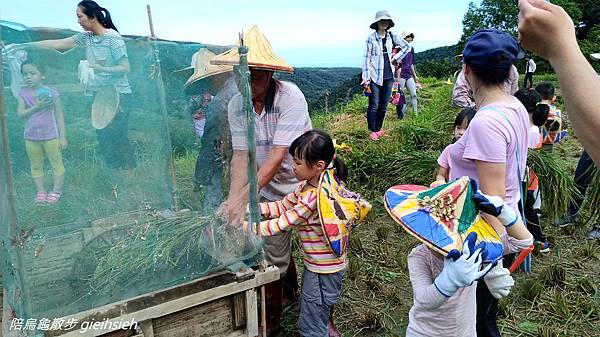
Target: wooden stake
x,y
262,267
150,21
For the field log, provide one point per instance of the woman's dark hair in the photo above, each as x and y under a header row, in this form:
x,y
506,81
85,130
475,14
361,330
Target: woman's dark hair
x,y
93,10
464,114
491,75
530,100
545,89
34,63
315,145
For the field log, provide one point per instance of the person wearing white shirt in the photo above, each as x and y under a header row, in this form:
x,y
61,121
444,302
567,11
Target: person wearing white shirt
x,y
529,70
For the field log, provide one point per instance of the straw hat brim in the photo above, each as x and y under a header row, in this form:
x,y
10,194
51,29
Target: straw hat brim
x,y
260,54
595,56
405,204
200,84
105,107
185,72
202,70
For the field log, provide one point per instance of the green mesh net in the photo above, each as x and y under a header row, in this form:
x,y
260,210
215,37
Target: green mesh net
x,y
146,166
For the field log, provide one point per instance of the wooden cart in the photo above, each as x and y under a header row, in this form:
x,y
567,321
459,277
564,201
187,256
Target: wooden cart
x,y
221,304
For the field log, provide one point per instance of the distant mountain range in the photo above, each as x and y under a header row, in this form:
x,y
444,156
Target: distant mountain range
x,y
339,84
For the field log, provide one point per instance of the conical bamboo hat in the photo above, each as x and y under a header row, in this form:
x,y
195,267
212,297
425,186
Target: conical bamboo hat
x,y
260,53
203,68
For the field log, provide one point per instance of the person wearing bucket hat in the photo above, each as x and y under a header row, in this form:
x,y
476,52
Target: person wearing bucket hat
x,y
280,116
547,30
494,146
214,85
106,54
378,70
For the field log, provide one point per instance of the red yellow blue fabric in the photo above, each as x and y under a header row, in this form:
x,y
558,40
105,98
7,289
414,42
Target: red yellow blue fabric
x,y
414,208
339,211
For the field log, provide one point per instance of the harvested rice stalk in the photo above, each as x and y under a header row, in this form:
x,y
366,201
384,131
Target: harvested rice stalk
x,y
149,247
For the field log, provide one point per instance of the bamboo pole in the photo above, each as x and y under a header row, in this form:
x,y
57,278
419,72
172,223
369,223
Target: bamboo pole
x,y
12,229
252,172
13,260
149,10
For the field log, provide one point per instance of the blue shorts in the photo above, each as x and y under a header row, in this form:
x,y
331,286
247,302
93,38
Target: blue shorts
x,y
320,292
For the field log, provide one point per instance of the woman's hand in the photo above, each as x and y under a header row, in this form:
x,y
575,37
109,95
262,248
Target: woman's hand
x,y
63,143
546,29
366,83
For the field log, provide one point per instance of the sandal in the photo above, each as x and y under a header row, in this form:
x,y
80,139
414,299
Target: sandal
x,y
53,197
40,198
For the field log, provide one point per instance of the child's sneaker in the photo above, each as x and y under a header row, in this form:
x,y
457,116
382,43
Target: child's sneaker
x,y
40,198
544,247
53,197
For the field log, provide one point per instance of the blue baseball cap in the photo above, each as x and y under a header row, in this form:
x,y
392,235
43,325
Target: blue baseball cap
x,y
486,47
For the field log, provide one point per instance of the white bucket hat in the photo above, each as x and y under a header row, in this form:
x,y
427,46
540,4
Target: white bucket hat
x,y
382,15
595,56
407,33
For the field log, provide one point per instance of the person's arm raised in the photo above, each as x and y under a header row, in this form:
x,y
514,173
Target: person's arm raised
x,y
548,31
59,44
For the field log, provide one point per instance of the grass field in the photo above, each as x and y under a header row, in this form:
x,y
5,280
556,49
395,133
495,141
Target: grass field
x,y
561,297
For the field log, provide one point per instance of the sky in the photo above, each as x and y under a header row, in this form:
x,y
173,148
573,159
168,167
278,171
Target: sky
x,y
306,33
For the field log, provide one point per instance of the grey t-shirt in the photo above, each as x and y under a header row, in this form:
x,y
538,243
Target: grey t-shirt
x,y
106,50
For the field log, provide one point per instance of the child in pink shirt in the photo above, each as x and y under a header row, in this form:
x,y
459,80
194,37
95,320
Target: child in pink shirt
x,y
461,123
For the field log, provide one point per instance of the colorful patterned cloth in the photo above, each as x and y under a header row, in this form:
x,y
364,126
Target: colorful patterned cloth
x,y
442,217
552,130
339,211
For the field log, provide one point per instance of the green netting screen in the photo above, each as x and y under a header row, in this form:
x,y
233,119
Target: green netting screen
x,y
146,166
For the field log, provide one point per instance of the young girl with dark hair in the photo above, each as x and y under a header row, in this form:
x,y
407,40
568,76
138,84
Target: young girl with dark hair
x,y
44,134
461,122
313,153
106,54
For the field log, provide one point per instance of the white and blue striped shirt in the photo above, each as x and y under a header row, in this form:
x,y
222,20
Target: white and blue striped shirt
x,y
372,67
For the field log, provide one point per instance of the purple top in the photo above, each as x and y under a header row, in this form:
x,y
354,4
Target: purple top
x,y
444,158
407,64
497,134
41,125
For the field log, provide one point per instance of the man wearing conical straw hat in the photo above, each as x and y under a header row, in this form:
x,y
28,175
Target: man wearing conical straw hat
x,y
215,82
280,115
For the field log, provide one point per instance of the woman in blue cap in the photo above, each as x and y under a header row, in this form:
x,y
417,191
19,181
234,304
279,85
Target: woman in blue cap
x,y
378,71
493,152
